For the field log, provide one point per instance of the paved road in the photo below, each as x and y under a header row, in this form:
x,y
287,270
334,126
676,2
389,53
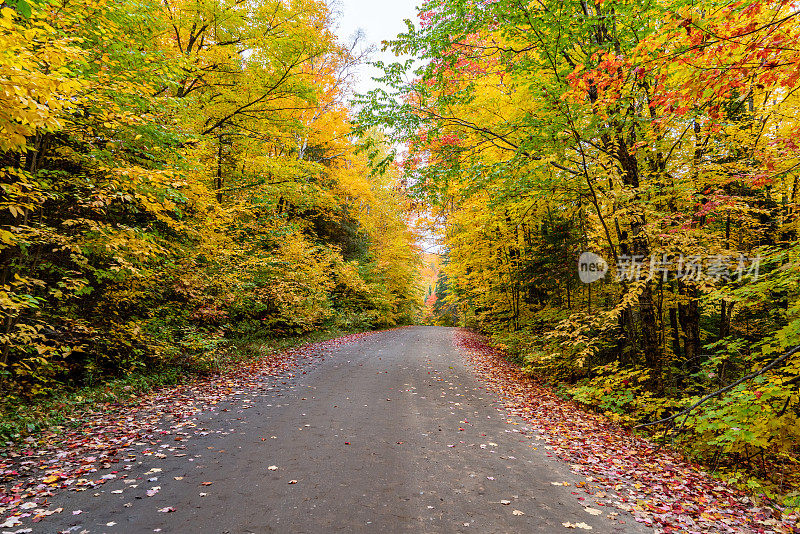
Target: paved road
x,y
393,433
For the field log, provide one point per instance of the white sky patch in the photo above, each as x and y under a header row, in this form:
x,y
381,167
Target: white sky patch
x,y
379,20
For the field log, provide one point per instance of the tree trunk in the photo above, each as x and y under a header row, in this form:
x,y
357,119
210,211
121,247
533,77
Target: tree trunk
x,y
219,181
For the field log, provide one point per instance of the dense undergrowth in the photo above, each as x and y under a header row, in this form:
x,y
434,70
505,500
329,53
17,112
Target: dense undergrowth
x,y
734,437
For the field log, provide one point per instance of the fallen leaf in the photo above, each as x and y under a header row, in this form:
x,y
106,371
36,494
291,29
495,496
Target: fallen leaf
x,y
593,511
505,502
584,526
166,509
273,468
11,522
518,512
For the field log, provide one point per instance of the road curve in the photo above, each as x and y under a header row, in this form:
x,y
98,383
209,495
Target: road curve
x,y
392,433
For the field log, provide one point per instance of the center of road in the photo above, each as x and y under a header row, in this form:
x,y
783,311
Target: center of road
x,y
392,433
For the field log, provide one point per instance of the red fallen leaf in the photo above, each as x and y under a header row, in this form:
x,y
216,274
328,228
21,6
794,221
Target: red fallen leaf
x,y
347,443
206,483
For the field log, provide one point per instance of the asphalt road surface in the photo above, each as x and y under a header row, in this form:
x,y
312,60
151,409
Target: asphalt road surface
x,y
393,433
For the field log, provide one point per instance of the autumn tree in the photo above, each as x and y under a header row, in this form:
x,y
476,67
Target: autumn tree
x,y
652,134
177,175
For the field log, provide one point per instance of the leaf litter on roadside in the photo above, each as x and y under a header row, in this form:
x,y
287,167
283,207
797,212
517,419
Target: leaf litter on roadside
x,y
113,436
656,485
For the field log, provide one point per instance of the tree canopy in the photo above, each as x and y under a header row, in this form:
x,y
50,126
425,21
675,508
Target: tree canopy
x,y
176,175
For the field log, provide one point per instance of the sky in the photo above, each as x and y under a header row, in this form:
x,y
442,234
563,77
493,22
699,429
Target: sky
x,y
380,20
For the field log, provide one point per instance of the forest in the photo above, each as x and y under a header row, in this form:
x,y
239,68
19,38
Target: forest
x,y
180,179
659,138
613,184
